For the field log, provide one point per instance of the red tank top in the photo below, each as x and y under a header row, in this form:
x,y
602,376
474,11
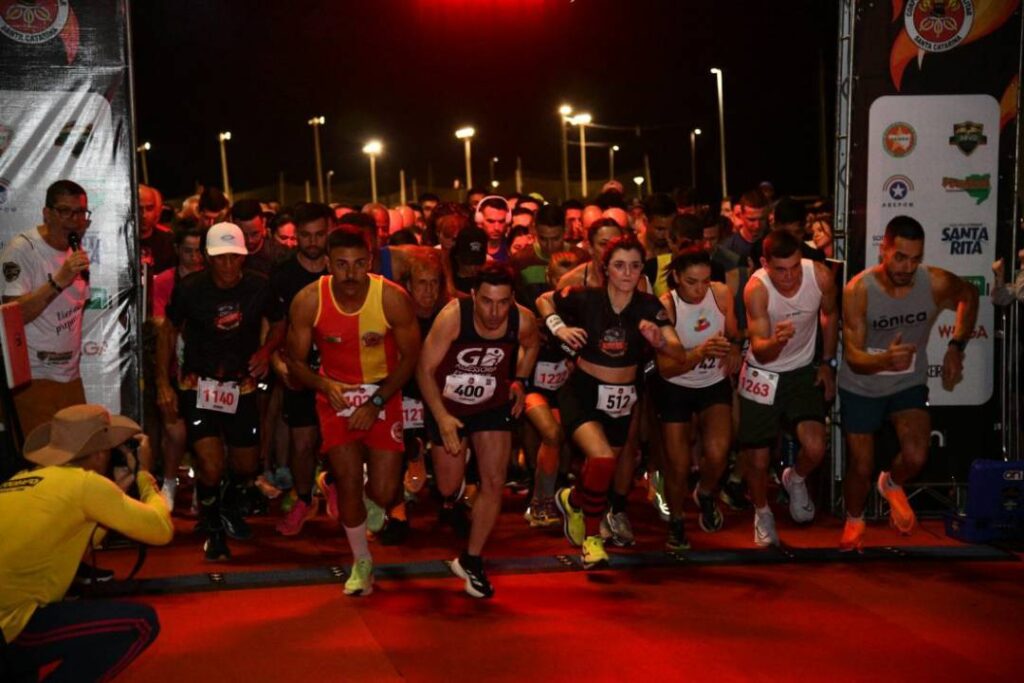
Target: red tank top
x,y
355,348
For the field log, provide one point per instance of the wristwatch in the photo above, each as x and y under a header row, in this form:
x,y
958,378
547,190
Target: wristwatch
x,y
377,400
831,362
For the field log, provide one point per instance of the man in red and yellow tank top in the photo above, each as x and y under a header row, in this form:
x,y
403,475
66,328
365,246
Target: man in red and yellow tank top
x,y
369,342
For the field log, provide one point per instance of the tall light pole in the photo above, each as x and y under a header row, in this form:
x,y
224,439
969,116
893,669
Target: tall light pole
x,y
490,164
224,137
466,134
693,156
315,124
373,148
721,127
330,174
611,161
142,149
563,118
583,120
639,180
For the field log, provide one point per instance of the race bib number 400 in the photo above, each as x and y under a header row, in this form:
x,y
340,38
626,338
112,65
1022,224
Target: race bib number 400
x,y
758,385
550,376
616,400
356,397
219,396
412,413
469,389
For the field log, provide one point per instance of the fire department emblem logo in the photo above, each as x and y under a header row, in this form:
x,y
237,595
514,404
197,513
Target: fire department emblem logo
x,y
967,136
899,139
33,21
938,25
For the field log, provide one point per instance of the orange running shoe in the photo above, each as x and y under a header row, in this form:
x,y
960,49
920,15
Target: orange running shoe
x,y
853,535
901,515
415,475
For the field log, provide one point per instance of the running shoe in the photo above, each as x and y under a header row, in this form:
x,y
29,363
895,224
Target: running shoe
x,y
594,556
677,536
853,535
235,525
710,518
267,486
395,532
169,490
764,529
656,493
283,478
477,584
87,574
801,507
215,549
615,527
572,519
541,513
415,475
376,517
734,495
291,524
901,515
360,580
330,494
456,516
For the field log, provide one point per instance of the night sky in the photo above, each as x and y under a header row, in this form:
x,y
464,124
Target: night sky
x,y
411,71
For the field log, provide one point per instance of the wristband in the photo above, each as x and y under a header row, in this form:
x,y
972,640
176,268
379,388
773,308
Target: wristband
x,y
960,345
53,283
554,323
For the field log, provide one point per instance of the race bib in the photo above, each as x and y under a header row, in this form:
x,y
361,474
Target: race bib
x,y
219,396
758,385
412,413
616,400
550,376
708,363
356,397
910,368
469,389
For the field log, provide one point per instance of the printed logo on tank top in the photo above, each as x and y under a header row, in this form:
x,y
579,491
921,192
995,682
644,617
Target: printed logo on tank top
x,y
613,342
477,359
371,339
702,324
229,316
900,320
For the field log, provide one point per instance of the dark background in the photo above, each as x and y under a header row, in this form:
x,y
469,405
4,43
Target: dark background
x,y
412,71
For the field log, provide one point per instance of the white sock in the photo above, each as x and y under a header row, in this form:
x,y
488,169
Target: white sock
x,y
858,518
795,478
171,486
763,511
356,536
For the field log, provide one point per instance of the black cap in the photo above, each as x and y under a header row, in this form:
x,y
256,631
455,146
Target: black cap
x,y
471,246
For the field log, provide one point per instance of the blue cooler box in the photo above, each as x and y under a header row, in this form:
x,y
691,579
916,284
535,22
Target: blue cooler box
x,y
995,504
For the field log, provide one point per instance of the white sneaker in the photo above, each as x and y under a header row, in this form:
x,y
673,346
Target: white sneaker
x,y
617,528
801,508
168,491
764,529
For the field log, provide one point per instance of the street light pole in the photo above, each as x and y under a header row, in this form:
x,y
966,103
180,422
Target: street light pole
x,y
563,120
466,134
223,137
330,174
491,163
693,156
582,120
611,161
721,127
639,180
373,148
142,149
315,123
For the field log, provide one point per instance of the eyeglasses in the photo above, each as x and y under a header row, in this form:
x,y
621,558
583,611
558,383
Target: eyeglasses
x,y
66,212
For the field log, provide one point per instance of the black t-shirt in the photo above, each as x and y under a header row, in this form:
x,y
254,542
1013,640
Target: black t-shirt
x,y
158,251
261,261
221,327
613,339
289,278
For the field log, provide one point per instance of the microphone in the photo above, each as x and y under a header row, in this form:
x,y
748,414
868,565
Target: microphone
x,y
75,242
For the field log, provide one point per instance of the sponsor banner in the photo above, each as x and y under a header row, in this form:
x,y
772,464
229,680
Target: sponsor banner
x,y
935,158
64,114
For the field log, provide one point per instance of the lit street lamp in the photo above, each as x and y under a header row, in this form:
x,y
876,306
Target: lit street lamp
x,y
611,161
373,148
583,120
693,156
330,174
315,123
563,112
142,149
491,163
721,126
467,135
639,180
224,137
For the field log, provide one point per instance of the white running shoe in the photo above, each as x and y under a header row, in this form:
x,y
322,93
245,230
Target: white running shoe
x,y
801,507
617,528
168,491
764,529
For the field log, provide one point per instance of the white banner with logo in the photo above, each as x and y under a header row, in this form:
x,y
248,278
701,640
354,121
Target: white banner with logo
x,y
935,158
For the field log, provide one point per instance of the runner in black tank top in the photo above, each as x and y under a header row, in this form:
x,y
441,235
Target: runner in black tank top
x,y
471,374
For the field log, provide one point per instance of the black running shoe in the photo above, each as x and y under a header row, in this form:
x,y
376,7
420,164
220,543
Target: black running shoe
x,y
216,547
395,532
710,519
234,524
477,584
86,574
734,495
677,536
457,518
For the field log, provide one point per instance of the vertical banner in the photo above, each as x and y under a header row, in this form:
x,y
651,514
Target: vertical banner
x,y
65,113
932,135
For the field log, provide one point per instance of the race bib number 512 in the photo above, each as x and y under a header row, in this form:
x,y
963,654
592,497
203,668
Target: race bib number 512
x,y
616,400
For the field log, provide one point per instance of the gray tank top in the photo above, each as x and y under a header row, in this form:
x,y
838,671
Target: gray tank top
x,y
912,316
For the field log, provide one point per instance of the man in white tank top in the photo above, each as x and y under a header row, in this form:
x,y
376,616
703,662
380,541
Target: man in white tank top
x,y
780,382
889,311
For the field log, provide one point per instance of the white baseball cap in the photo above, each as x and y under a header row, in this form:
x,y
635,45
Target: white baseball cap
x,y
225,238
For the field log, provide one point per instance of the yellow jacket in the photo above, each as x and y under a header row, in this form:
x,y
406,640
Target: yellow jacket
x,y
47,516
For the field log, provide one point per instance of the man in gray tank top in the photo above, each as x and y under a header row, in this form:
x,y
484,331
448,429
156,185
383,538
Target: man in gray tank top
x,y
888,312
